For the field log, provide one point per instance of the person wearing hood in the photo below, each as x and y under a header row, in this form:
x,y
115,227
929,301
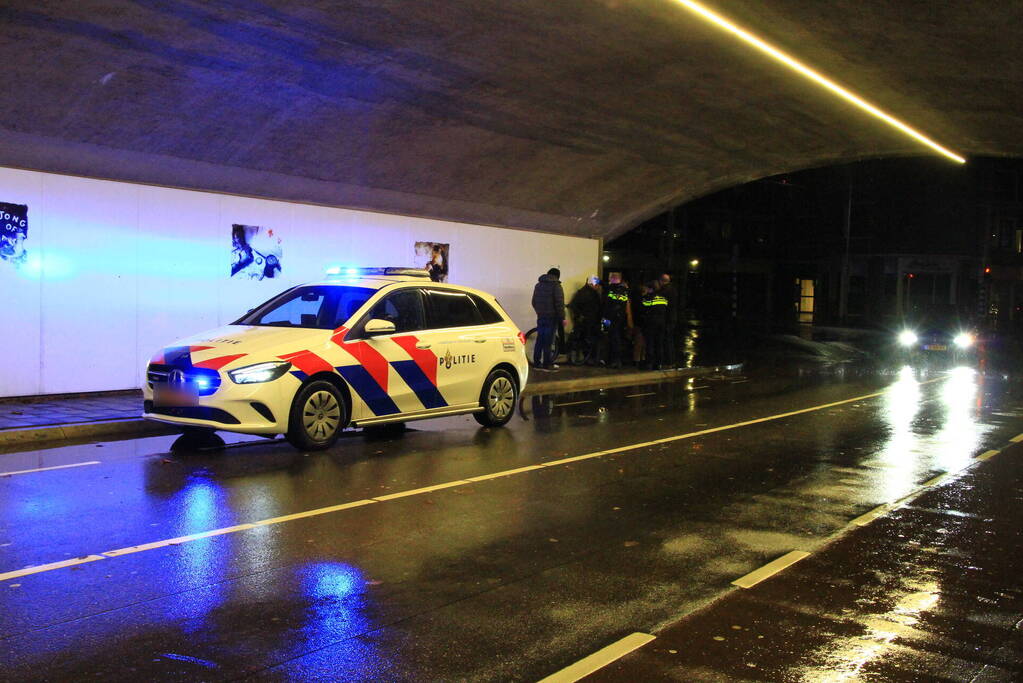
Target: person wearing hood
x,y
549,305
586,308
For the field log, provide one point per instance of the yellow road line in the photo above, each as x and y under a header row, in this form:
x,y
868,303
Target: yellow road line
x,y
505,473
599,659
935,480
987,455
177,541
425,489
770,569
313,513
49,567
1017,438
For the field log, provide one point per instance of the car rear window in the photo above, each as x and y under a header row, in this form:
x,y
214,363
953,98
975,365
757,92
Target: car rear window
x,y
487,312
452,309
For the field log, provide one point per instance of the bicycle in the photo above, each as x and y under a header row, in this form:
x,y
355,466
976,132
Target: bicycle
x,y
558,344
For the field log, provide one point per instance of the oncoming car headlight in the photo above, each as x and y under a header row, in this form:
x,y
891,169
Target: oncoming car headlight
x,y
907,338
963,340
260,372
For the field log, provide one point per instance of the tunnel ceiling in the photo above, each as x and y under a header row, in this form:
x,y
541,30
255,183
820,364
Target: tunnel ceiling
x,y
579,117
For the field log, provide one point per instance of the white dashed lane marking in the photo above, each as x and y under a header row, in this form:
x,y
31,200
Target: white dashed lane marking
x,y
599,659
48,469
770,569
869,517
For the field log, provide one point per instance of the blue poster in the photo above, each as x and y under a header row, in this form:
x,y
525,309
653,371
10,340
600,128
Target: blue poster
x,y
13,232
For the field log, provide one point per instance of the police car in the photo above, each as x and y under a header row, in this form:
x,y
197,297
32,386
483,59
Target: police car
x,y
365,347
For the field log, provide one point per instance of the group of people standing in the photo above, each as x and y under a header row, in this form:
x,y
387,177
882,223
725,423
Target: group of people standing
x,y
610,324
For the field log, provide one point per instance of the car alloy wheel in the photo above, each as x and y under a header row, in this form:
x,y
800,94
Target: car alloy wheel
x,y
497,399
318,414
321,415
501,397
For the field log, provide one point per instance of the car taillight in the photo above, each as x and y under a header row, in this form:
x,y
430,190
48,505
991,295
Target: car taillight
x,y
522,338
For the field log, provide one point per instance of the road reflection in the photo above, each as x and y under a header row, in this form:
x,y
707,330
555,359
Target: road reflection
x,y
900,406
203,505
960,435
844,659
336,602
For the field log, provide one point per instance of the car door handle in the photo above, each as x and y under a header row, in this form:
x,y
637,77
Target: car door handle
x,y
422,345
480,341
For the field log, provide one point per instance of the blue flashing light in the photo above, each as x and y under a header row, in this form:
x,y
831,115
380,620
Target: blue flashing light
x,y
347,271
202,383
386,271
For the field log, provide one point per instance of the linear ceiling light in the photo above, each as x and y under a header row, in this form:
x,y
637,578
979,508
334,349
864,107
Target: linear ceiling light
x,y
815,76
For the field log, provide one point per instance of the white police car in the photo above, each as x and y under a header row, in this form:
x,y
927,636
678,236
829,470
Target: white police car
x,y
365,347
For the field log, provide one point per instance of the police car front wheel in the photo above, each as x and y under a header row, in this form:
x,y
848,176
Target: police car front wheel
x,y
498,399
318,414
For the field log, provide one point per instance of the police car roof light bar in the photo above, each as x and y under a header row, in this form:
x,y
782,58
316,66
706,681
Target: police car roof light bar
x,y
392,271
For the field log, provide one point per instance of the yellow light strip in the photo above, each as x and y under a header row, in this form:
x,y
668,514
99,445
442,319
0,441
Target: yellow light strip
x,y
815,76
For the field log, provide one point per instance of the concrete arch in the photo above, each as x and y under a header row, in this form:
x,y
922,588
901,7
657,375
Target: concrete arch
x,y
580,117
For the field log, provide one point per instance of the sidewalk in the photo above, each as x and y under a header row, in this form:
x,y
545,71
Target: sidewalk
x,y
45,419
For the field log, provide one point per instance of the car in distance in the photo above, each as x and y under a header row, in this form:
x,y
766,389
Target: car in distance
x,y
366,346
934,341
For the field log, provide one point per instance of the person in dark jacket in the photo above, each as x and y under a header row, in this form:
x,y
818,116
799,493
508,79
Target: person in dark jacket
x,y
549,305
655,311
618,314
586,309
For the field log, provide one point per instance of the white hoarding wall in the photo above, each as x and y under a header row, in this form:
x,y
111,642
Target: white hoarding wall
x,y
99,275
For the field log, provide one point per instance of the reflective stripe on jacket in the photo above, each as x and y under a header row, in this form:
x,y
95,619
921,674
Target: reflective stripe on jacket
x,y
655,300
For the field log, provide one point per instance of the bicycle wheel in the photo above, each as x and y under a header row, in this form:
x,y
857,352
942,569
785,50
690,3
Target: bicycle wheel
x,y
531,345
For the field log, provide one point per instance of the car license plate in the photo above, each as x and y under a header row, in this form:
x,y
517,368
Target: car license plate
x,y
167,397
936,347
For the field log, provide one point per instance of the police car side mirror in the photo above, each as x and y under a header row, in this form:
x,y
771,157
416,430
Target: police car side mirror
x,y
377,327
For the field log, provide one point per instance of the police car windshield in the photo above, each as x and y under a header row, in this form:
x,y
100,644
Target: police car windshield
x,y
319,307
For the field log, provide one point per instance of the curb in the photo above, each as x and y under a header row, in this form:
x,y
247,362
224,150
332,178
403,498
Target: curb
x,y
624,380
31,436
134,427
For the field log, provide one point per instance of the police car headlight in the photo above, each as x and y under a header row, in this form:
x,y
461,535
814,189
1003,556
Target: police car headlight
x,y
260,372
963,340
907,338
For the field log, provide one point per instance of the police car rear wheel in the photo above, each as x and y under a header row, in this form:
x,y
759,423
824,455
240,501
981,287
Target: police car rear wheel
x,y
498,399
318,414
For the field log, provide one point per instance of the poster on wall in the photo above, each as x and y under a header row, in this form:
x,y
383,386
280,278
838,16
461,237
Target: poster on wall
x,y
255,252
13,233
433,256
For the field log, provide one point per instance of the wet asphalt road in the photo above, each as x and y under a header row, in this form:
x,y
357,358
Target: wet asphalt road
x,y
510,577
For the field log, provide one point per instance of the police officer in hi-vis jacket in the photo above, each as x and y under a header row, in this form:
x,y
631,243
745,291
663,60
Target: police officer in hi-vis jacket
x,y
618,314
655,312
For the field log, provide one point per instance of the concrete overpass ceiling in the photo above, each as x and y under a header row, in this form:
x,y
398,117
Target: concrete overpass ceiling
x,y
577,116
